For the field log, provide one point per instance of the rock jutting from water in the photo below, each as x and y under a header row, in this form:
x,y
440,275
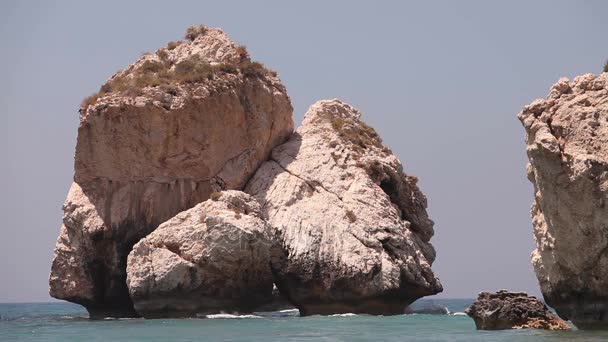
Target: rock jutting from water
x,y
154,224
567,146
353,225
159,138
209,259
512,310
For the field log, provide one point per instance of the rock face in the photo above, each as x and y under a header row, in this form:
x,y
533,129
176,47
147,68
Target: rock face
x,y
512,310
354,226
209,259
159,138
567,145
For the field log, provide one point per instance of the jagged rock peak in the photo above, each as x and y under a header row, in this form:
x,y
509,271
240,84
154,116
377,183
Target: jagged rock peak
x,y
213,45
351,142
354,226
567,146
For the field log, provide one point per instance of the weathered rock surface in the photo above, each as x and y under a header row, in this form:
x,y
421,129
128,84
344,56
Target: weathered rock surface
x,y
209,259
512,310
146,152
354,226
567,145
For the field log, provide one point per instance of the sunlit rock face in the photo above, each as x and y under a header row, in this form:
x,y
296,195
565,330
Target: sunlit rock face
x,y
353,225
160,137
567,145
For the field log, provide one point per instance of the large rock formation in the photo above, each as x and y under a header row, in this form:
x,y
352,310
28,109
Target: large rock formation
x,y
512,310
159,138
567,145
354,226
209,259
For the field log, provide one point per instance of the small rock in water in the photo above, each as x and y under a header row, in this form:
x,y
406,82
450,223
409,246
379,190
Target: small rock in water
x,y
512,310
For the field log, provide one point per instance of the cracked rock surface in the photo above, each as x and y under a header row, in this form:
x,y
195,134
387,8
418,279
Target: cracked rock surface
x,y
209,259
353,225
512,310
144,155
567,146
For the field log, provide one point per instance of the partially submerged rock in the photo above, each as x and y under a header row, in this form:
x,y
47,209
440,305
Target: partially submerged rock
x,y
209,259
512,310
159,138
354,226
567,145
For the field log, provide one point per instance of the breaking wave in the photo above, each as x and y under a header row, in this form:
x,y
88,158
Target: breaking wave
x,y
344,315
229,316
289,311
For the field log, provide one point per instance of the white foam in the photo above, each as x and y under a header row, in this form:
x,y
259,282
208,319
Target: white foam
x,y
228,316
289,310
459,314
343,315
119,319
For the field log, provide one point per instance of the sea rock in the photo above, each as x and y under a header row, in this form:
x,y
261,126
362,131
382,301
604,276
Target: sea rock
x,y
354,226
210,259
567,146
159,138
512,310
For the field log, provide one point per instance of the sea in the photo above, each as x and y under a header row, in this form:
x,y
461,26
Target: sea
x,y
62,321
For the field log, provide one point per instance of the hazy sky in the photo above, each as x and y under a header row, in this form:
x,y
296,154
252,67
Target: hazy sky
x,y
441,82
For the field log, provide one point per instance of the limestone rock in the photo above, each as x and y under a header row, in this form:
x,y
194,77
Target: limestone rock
x,y
159,138
209,259
512,310
354,226
567,146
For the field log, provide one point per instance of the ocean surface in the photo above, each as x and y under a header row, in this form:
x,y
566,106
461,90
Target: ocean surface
x,y
68,322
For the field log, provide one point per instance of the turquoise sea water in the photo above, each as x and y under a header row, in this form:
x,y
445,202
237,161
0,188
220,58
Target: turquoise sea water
x,y
68,322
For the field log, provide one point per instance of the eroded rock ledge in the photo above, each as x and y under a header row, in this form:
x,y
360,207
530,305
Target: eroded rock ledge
x,y
354,226
512,310
567,146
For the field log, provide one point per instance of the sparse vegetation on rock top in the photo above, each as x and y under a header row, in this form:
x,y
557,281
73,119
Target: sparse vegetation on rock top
x,y
182,63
